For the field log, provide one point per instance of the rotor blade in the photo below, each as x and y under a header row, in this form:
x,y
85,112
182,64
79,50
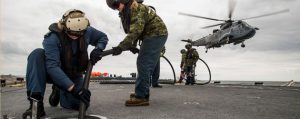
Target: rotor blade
x,y
232,4
213,25
190,15
274,13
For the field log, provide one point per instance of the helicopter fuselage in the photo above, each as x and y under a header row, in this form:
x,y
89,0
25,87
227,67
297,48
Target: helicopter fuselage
x,y
235,32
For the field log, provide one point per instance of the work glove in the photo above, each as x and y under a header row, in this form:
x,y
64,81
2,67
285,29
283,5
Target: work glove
x,y
117,51
134,50
95,55
84,95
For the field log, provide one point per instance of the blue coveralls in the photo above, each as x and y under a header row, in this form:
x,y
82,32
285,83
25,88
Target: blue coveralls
x,y
44,65
148,64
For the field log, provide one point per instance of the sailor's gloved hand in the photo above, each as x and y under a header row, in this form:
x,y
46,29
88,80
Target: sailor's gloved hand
x,y
84,95
95,55
117,50
134,50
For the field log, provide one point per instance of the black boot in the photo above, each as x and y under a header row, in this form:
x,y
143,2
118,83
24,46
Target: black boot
x,y
193,81
156,86
188,80
54,96
40,108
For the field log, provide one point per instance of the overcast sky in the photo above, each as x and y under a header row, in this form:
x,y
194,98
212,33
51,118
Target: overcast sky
x,y
273,54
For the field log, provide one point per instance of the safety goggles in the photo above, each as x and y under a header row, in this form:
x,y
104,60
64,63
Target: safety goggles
x,y
76,33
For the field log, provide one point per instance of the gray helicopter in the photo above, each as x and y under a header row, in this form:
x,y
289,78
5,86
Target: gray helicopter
x,y
231,31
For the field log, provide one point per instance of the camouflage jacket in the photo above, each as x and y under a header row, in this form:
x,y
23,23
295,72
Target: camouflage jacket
x,y
191,57
144,23
183,55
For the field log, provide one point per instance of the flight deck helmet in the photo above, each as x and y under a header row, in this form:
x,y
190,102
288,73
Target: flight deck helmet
x,y
74,22
188,46
114,4
182,51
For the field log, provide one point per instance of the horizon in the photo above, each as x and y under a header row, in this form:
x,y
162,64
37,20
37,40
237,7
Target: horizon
x,y
272,54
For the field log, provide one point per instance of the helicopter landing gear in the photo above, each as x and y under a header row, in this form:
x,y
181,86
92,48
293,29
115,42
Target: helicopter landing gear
x,y
243,45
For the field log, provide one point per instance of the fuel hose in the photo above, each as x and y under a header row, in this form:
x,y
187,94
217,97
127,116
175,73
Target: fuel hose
x,y
207,82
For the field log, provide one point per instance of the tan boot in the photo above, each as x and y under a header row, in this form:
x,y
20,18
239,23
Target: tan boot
x,y
132,95
137,102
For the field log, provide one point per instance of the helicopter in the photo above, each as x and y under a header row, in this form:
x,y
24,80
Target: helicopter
x,y
231,31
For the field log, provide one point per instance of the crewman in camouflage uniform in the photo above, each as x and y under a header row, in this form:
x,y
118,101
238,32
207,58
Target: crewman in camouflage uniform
x,y
190,61
182,74
140,22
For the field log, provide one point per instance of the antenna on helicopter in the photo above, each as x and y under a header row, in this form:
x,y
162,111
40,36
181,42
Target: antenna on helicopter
x,y
188,40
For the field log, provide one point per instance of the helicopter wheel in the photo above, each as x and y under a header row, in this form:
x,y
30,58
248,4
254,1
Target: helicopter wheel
x,y
243,45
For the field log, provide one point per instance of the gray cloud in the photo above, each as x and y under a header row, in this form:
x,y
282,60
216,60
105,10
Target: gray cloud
x,y
9,48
